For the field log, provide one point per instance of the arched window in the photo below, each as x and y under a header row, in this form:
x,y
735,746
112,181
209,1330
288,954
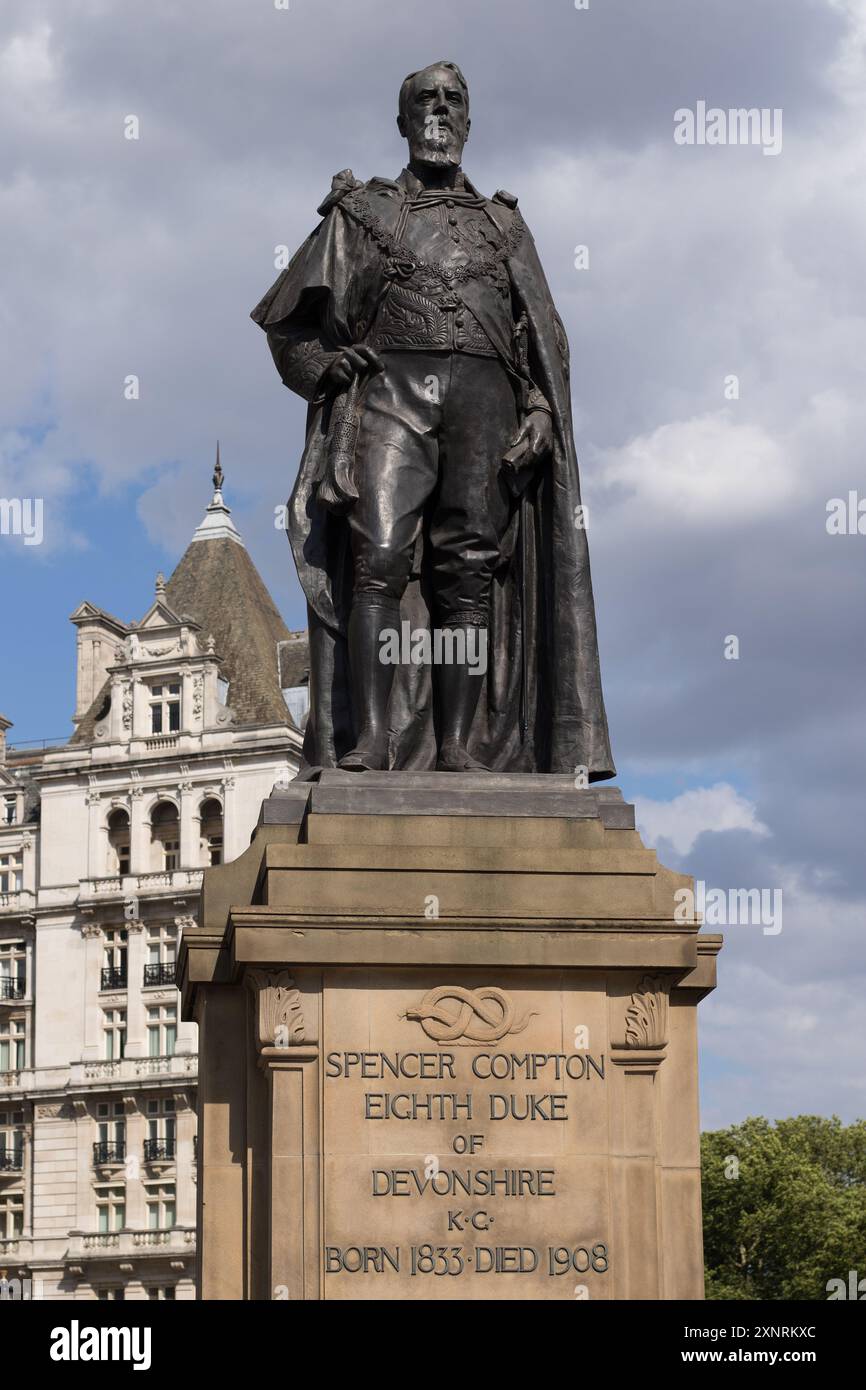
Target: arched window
x,y
211,816
165,837
118,842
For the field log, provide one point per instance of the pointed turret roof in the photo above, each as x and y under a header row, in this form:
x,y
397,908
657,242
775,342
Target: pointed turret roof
x,y
217,588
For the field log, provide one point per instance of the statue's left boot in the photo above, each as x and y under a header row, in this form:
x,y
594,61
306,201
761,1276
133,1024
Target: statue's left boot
x,y
458,691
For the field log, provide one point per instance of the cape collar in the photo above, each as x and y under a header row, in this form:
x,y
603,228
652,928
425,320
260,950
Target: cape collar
x,y
463,192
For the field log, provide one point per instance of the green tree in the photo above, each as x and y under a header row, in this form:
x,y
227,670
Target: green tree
x,y
784,1207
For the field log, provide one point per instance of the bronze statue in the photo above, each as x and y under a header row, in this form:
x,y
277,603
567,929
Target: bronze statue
x,y
436,520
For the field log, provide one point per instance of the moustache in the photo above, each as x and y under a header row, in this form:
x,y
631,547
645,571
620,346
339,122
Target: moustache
x,y
437,135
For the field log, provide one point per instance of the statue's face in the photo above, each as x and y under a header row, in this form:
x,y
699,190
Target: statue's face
x,y
436,117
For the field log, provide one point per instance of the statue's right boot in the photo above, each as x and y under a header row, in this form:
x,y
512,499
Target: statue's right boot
x,y
372,679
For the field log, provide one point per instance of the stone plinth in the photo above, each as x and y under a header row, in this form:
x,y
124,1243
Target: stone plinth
x,y
448,1048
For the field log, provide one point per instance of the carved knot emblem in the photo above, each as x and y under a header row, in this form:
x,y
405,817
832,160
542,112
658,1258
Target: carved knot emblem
x,y
450,1013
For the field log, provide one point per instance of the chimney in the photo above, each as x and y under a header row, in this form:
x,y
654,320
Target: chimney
x,y
4,725
99,637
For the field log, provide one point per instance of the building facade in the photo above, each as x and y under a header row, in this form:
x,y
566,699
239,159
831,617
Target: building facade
x,y
183,721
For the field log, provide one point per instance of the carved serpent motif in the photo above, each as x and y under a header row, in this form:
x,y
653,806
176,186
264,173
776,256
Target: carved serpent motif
x,y
482,1015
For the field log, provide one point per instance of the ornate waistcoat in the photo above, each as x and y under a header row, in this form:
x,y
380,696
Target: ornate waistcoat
x,y
432,242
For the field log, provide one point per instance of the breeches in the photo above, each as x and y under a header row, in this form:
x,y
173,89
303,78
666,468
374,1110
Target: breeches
x,y
433,429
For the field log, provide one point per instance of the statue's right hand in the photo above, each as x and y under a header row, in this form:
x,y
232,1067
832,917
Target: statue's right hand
x,y
352,362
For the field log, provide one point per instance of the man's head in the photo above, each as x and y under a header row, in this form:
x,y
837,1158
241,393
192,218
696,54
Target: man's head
x,y
434,114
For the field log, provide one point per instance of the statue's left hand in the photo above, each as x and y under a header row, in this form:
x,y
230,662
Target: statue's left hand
x,y
533,441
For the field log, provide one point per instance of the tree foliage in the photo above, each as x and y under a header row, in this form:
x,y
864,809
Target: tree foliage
x,y
784,1207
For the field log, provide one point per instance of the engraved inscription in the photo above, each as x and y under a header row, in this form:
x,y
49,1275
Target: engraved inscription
x,y
473,1166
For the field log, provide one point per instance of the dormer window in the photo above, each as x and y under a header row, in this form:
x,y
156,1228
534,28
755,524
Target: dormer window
x,y
10,810
165,708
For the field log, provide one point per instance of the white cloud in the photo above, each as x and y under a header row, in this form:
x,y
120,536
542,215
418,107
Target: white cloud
x,y
26,61
849,70
694,813
710,469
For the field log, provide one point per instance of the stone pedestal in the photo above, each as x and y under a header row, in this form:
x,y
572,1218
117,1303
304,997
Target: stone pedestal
x,y
448,1048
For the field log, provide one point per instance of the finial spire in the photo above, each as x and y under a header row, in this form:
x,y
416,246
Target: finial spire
x,y
218,474
217,523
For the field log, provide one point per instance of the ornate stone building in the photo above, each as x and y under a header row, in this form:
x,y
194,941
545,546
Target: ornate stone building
x,y
184,722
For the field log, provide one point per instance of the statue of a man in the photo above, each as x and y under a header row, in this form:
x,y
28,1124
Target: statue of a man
x,y
438,495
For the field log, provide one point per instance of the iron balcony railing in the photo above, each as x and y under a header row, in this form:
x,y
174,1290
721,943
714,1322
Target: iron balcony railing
x,y
106,1151
12,987
158,1149
11,1160
113,977
160,974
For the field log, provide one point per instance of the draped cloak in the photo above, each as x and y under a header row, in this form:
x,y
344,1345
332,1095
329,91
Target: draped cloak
x,y
327,299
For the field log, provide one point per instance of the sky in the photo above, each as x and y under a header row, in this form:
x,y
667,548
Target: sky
x,y
718,341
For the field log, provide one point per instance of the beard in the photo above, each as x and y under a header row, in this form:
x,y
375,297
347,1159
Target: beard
x,y
444,149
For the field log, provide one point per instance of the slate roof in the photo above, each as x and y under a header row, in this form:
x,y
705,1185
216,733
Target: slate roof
x,y
98,710
218,586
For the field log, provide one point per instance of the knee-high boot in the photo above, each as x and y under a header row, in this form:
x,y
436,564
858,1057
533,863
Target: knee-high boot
x,y
458,691
371,685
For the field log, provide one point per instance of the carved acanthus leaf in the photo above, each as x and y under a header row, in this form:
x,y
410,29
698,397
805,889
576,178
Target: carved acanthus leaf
x,y
647,1014
279,1012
